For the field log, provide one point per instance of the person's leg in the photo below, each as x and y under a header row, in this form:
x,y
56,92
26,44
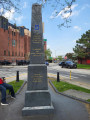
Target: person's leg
x,y
10,87
3,93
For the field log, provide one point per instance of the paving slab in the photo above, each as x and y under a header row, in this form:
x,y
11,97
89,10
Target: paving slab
x,y
78,94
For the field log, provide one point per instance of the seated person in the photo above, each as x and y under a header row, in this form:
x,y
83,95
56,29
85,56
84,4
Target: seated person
x,y
3,87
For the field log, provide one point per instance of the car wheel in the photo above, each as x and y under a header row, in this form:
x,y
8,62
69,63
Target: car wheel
x,y
69,67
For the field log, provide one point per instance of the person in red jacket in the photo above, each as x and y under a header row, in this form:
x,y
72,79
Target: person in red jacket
x,y
3,87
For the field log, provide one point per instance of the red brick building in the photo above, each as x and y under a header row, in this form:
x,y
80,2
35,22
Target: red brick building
x,y
14,41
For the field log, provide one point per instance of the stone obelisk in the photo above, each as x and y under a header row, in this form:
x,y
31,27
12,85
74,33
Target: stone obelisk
x,y
37,96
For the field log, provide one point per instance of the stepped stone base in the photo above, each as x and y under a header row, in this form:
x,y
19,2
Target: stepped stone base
x,y
39,110
37,102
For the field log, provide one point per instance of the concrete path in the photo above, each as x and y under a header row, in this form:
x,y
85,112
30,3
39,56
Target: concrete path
x,y
65,109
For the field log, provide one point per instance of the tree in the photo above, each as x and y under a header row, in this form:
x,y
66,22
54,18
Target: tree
x,y
7,5
61,8
59,57
47,53
69,55
82,48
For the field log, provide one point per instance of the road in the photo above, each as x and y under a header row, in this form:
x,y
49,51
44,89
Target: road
x,y
77,75
65,108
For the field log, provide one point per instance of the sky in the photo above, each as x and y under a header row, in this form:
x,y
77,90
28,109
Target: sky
x,y
60,41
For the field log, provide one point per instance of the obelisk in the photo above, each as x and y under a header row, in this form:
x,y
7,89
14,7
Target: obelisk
x,y
37,96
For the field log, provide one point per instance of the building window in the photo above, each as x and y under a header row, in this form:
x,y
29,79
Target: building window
x,y
13,43
14,34
4,52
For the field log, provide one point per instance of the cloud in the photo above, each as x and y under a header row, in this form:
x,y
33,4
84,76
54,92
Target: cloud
x,y
74,41
9,14
25,5
85,6
65,13
1,10
77,28
19,19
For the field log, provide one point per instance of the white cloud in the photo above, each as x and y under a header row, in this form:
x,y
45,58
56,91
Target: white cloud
x,y
25,5
65,13
74,41
19,19
1,10
85,6
77,28
9,14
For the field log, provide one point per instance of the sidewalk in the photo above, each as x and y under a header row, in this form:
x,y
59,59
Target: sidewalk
x,y
64,109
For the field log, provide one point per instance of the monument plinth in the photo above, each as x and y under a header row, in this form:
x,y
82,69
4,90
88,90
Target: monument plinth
x,y
37,96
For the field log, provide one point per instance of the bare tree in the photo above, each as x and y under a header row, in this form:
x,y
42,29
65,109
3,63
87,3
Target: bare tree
x,y
6,5
61,8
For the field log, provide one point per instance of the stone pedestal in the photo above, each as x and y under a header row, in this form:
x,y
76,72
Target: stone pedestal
x,y
37,96
37,102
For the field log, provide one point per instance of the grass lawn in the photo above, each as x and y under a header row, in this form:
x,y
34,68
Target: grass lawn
x,y
63,86
16,85
88,100
83,66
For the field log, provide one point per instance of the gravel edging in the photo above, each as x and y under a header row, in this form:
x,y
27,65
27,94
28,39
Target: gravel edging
x,y
72,97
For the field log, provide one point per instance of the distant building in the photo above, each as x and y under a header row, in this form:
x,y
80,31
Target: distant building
x,y
14,41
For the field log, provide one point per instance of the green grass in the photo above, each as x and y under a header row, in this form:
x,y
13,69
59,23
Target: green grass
x,y
16,85
88,100
63,86
83,66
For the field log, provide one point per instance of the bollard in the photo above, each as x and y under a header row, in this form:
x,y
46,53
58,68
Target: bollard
x,y
17,76
58,80
70,74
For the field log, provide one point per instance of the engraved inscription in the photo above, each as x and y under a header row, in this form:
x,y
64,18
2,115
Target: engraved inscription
x,y
37,39
37,78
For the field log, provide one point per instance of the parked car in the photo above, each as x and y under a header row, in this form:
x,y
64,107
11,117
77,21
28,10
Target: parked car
x,y
69,64
0,62
47,63
5,62
22,62
61,63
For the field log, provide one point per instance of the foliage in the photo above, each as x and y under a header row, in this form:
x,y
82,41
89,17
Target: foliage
x,y
48,53
7,5
59,57
69,55
82,48
63,86
88,100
